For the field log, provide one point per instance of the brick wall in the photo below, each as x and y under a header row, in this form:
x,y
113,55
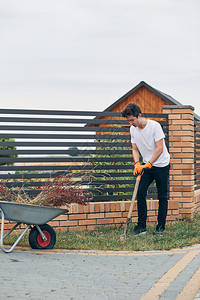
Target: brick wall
x,y
181,148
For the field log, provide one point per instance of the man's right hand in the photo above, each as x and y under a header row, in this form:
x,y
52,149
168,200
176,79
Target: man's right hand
x,y
138,168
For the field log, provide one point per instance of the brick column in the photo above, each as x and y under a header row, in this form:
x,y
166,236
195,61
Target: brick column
x,y
181,149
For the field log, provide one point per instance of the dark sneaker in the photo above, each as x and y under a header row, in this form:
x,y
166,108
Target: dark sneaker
x,y
138,230
159,231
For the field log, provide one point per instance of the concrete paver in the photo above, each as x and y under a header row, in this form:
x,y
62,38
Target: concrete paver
x,y
32,274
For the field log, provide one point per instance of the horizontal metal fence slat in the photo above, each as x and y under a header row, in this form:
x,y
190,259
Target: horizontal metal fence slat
x,y
65,167
118,190
65,152
86,183
65,136
63,144
105,198
65,159
58,112
61,120
65,128
75,113
54,174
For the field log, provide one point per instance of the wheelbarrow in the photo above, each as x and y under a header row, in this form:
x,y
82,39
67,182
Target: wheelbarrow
x,y
41,235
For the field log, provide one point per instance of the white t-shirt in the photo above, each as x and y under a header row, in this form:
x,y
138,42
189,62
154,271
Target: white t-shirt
x,y
145,140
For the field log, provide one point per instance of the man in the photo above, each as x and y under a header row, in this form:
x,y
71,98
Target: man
x,y
147,138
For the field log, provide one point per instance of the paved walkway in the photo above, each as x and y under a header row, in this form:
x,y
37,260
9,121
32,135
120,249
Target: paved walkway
x,y
65,274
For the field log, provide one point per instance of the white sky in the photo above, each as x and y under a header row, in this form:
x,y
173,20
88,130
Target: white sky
x,y
86,54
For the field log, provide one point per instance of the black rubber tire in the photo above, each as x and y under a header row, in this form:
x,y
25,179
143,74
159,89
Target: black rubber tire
x,y
36,241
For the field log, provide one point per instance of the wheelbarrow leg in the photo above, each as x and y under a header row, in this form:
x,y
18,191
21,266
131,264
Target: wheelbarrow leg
x,y
4,236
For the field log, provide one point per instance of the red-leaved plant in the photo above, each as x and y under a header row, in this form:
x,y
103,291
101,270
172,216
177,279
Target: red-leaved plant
x,y
62,190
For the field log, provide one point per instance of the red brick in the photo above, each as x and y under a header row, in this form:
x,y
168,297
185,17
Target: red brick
x,y
75,208
188,161
134,214
91,207
86,208
173,150
123,206
183,111
183,144
175,183
113,215
107,207
104,221
80,209
54,223
188,194
119,220
118,207
102,208
174,127
152,218
175,138
95,215
188,172
174,116
86,222
175,194
182,122
187,205
183,155
188,116
96,207
183,188
68,223
186,133
187,138
61,217
77,216
151,213
185,210
112,206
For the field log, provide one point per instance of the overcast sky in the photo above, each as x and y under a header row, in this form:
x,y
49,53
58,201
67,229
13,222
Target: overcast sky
x,y
86,54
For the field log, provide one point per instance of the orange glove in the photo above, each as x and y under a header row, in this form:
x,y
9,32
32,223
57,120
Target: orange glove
x,y
138,168
147,165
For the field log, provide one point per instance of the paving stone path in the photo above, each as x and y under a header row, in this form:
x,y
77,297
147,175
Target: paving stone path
x,y
65,274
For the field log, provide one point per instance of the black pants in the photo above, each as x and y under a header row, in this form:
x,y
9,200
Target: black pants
x,y
161,176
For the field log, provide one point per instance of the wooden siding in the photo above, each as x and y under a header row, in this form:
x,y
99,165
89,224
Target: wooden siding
x,y
148,101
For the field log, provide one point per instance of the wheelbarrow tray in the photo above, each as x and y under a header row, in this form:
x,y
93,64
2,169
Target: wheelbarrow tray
x,y
29,214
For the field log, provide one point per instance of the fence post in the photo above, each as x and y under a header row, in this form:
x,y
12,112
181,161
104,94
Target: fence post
x,y
181,149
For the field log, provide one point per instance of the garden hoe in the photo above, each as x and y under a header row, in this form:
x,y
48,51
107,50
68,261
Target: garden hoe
x,y
123,238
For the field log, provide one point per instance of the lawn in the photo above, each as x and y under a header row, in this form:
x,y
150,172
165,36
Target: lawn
x,y
182,233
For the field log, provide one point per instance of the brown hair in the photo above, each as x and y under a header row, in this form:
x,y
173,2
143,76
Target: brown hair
x,y
132,109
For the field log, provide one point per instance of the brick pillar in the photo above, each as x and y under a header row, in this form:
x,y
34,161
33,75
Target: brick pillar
x,y
181,149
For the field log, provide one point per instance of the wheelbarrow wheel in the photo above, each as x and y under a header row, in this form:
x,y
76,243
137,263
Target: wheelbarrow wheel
x,y
36,241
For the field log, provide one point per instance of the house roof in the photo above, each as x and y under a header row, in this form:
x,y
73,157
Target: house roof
x,y
162,95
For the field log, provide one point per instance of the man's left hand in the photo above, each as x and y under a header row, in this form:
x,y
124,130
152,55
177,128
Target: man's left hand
x,y
148,165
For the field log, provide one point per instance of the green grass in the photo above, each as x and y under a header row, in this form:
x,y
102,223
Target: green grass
x,y
179,234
